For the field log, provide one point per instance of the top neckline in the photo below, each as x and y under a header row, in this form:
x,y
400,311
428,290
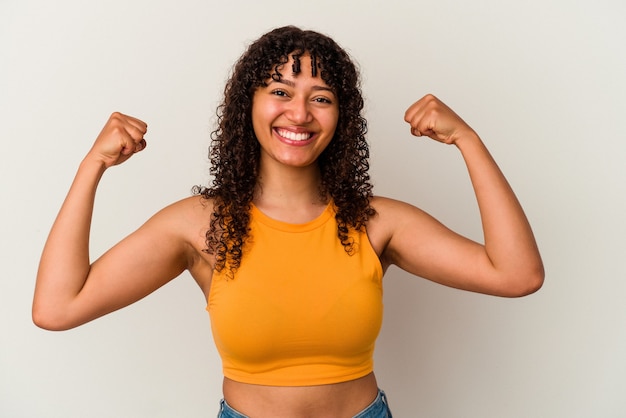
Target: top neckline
x,y
258,215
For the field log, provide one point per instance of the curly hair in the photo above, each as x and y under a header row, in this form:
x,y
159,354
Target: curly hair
x,y
235,152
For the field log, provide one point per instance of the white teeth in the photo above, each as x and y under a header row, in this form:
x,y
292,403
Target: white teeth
x,y
294,136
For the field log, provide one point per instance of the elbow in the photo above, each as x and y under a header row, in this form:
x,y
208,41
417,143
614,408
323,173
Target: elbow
x,y
535,278
48,319
526,283
531,286
52,313
43,321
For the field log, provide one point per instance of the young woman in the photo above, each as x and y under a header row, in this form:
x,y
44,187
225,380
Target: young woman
x,y
288,243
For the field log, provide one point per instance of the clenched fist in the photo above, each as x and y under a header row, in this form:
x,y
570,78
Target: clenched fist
x,y
430,117
121,137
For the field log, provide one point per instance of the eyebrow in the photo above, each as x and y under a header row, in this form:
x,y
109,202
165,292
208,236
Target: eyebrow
x,y
292,84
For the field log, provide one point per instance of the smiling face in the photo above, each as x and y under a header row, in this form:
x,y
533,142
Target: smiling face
x,y
294,117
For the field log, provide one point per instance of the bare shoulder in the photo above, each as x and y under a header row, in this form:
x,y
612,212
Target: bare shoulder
x,y
392,213
385,204
191,213
189,207
381,227
398,224
190,219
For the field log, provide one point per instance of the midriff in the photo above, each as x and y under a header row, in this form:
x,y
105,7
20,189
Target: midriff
x,y
338,400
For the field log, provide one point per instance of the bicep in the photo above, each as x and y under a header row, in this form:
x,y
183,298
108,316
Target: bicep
x,y
135,267
423,246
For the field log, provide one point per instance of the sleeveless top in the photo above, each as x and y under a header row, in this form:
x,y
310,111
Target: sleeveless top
x,y
299,310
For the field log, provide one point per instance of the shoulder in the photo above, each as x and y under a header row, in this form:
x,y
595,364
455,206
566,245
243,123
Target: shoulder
x,y
397,218
391,212
185,221
191,209
385,203
393,223
382,226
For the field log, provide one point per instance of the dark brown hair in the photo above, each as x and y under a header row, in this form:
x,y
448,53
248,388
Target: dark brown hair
x,y
235,151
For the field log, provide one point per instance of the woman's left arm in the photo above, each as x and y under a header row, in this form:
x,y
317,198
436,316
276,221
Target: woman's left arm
x,y
508,263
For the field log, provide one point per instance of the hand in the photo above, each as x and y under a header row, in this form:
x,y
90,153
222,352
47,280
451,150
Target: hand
x,y
121,137
430,117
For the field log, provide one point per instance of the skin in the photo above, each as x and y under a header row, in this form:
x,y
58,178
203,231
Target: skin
x,y
71,291
301,106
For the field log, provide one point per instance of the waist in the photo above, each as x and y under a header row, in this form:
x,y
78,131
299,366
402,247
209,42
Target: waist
x,y
337,399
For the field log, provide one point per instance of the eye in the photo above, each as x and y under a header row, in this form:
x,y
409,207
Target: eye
x,y
321,99
279,93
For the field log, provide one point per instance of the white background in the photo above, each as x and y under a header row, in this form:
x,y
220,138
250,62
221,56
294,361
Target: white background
x,y
543,82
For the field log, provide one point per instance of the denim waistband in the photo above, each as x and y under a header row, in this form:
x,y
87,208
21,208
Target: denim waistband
x,y
379,408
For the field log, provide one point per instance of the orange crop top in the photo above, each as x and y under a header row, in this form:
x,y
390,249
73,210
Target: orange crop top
x,y
300,311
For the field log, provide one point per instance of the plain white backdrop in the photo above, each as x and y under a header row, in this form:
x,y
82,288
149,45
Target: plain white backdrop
x,y
543,82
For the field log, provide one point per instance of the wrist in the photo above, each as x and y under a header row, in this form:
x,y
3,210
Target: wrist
x,y
467,140
93,165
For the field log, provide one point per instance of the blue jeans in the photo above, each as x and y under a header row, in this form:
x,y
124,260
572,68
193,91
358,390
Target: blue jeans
x,y
379,408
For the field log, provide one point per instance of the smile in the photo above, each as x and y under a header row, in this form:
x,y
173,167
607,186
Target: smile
x,y
294,136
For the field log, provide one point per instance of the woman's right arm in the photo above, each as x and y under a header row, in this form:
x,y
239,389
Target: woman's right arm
x,y
70,290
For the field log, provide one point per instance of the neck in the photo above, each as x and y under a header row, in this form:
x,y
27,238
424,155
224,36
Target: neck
x,y
290,193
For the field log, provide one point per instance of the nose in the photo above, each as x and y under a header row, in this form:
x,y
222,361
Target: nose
x,y
298,111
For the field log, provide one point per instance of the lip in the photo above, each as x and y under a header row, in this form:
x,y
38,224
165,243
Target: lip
x,y
294,132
